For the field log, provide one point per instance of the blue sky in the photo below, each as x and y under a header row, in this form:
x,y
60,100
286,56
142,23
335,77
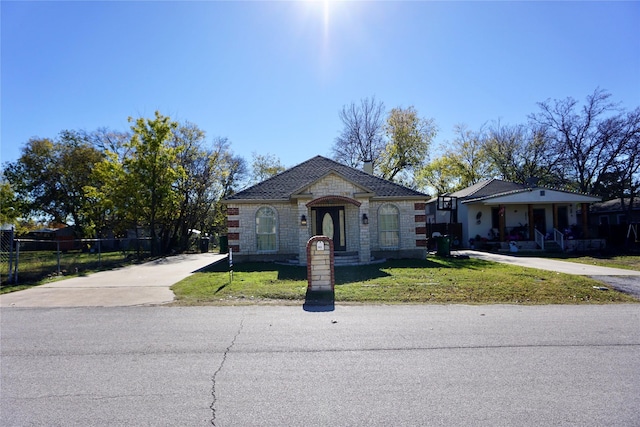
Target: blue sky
x,y
272,76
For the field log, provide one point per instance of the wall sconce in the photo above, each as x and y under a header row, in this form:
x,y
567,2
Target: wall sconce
x,y
365,219
303,220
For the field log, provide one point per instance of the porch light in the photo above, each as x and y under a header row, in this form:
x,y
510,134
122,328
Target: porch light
x,y
365,219
303,220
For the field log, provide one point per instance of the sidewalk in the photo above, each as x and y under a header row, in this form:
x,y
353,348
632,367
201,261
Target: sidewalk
x,y
144,284
551,264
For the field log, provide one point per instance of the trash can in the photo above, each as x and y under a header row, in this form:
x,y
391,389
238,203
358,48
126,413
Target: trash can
x,y
443,245
224,244
204,244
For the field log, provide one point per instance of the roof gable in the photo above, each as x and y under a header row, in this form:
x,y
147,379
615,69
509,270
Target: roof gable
x,y
299,177
331,174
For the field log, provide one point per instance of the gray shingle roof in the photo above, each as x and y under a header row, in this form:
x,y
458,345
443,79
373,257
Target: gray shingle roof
x,y
491,188
496,187
291,181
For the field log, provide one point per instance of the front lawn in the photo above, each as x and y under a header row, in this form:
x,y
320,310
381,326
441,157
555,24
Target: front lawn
x,y
434,280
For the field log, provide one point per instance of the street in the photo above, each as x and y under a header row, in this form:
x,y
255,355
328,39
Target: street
x,y
354,366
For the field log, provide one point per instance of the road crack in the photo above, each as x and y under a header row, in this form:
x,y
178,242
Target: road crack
x,y
214,397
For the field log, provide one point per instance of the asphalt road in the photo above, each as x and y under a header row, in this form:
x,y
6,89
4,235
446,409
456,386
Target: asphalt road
x,y
354,366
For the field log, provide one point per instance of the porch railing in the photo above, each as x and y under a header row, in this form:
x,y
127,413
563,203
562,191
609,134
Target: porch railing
x,y
539,238
558,237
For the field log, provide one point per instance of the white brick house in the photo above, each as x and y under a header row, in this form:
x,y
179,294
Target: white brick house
x,y
367,217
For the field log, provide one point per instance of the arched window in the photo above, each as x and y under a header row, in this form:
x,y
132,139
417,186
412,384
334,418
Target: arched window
x,y
389,226
266,229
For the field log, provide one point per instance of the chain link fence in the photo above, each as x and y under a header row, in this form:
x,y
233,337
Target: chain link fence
x,y
28,260
7,263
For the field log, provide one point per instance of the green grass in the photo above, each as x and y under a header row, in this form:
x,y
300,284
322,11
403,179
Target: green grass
x,y
39,267
435,280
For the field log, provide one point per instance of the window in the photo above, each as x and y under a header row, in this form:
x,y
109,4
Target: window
x,y
389,226
266,229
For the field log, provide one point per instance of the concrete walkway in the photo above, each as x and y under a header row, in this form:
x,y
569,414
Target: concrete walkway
x,y
144,284
551,264
627,281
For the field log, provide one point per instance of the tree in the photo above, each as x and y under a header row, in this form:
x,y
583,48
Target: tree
x,y
469,154
519,153
107,140
203,184
152,170
264,166
50,175
407,147
9,204
584,139
440,175
622,178
362,135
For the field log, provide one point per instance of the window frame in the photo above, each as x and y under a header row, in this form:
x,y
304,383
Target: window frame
x,y
258,234
382,241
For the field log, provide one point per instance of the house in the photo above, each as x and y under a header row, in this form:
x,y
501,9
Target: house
x,y
615,222
501,215
611,212
367,217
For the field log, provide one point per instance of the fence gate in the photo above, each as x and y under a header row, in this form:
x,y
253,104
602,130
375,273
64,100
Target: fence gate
x,y
7,261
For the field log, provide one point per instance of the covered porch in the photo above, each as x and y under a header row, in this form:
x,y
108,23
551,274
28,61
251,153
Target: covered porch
x,y
525,222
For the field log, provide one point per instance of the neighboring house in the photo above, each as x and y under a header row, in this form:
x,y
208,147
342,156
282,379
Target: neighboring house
x,y
501,214
615,223
612,212
367,217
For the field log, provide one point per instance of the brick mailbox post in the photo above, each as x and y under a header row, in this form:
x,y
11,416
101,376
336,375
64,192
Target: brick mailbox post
x,y
320,264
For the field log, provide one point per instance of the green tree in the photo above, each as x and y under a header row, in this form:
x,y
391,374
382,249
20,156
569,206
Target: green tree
x,y
9,204
50,175
265,166
151,173
469,157
408,140
440,176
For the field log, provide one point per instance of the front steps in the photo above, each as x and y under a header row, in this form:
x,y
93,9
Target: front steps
x,y
342,259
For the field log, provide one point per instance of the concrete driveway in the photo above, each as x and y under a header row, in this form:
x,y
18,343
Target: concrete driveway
x,y
627,281
144,284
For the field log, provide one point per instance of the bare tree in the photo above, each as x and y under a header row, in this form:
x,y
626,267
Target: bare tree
x,y
622,178
362,137
520,152
581,138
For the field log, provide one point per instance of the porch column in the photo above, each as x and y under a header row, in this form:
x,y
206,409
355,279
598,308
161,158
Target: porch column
x,y
554,207
365,240
585,220
502,211
532,227
303,231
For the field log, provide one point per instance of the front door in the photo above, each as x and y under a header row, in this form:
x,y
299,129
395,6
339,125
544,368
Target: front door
x,y
329,221
540,220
